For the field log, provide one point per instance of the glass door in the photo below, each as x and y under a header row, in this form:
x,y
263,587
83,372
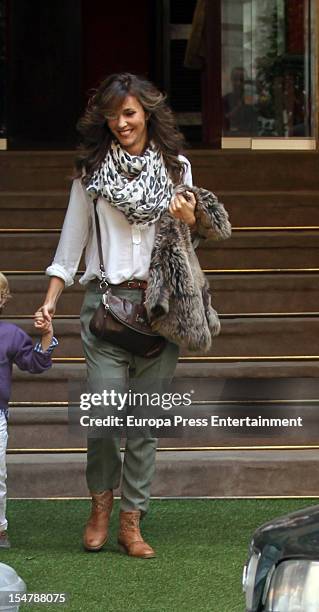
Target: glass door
x,y
268,73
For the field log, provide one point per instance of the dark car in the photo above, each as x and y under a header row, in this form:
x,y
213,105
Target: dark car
x,y
282,571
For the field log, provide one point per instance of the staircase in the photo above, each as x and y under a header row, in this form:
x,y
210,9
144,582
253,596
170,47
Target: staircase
x,y
265,362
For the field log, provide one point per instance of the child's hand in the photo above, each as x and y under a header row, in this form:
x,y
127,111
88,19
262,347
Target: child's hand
x,y
43,326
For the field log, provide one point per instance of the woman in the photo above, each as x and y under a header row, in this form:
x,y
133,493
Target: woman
x,y
130,159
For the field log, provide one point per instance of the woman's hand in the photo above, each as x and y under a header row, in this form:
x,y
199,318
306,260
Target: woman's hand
x,y
44,314
183,208
47,310
41,324
45,328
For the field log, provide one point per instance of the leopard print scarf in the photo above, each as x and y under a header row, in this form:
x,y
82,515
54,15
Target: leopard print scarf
x,y
139,186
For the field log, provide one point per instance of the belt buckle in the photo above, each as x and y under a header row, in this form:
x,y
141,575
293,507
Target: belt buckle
x,y
131,283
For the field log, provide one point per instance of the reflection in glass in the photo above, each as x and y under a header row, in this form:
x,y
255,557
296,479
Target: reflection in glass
x,y
266,76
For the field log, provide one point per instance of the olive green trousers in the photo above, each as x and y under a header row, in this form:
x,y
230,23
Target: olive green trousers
x,y
106,361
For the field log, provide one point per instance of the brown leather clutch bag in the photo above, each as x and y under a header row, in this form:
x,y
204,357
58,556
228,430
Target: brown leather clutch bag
x,y
125,324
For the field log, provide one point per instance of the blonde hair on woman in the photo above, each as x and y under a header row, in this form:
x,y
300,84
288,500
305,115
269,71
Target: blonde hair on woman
x,y
4,291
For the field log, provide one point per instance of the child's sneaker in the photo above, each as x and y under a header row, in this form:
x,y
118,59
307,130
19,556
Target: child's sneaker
x,y
4,540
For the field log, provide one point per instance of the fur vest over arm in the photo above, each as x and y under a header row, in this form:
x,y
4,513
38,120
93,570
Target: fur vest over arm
x,y
177,299
211,217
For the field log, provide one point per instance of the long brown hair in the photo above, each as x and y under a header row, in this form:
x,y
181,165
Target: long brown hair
x,y
96,136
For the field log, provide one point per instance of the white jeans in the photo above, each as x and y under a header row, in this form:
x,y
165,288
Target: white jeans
x,y
3,471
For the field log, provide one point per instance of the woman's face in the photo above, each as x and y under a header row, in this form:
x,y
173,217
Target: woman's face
x,y
128,125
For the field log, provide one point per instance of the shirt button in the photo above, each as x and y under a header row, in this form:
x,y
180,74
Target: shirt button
x,y
136,234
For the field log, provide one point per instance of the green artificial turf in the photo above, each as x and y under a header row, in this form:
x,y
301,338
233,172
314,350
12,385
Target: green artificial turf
x,y
201,546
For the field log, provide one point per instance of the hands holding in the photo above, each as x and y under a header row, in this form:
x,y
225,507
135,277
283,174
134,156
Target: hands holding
x,y
43,317
43,324
182,207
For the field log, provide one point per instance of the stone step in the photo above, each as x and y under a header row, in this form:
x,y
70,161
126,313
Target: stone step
x,y
46,209
215,170
244,250
178,473
261,250
232,293
242,336
54,384
252,170
271,208
36,170
28,292
33,209
46,426
269,293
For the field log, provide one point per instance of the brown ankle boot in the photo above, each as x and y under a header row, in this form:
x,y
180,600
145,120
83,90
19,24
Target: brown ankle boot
x,y
95,533
130,538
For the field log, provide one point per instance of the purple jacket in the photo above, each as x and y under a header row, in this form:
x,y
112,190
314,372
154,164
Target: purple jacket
x,y
17,347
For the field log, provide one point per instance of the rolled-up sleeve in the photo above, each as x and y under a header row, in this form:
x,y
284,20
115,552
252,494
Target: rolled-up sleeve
x,y
188,180
187,177
74,235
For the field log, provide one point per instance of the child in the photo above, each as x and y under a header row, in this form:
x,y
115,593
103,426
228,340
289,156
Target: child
x,y
17,347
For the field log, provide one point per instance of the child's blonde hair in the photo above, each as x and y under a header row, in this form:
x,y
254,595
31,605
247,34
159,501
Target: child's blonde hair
x,y
4,291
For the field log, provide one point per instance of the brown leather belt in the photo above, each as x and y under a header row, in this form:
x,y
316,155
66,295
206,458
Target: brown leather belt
x,y
134,283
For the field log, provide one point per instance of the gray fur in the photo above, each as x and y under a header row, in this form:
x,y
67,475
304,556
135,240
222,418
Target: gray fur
x,y
177,298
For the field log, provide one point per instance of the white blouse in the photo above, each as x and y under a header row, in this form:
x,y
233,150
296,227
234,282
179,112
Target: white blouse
x,y
126,248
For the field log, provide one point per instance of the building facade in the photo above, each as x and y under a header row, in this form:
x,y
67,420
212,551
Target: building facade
x,y
238,73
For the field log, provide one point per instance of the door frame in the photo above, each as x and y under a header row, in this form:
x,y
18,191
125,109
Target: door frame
x,y
212,92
